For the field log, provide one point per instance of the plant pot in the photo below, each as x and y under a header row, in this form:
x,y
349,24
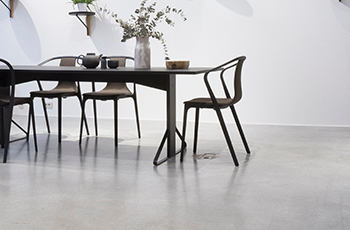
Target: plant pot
x,y
142,53
81,7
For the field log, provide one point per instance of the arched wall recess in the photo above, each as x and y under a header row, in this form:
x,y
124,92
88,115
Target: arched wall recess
x,y
10,8
345,3
87,21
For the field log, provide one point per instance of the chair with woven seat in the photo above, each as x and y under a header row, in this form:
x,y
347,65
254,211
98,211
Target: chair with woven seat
x,y
217,104
63,89
7,102
113,91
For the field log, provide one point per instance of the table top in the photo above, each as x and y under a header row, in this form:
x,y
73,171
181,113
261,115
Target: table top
x,y
157,77
131,70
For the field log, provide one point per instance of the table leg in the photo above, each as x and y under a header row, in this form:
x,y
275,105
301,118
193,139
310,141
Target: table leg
x,y
171,131
171,115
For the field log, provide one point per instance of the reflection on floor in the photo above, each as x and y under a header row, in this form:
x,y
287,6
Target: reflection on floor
x,y
295,178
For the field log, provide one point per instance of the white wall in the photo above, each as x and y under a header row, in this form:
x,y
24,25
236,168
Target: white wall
x,y
298,53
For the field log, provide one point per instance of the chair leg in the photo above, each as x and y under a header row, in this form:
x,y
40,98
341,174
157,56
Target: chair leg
x,y
227,136
44,108
28,123
31,109
116,122
46,116
82,120
238,124
6,133
59,119
196,125
183,143
137,116
2,127
94,105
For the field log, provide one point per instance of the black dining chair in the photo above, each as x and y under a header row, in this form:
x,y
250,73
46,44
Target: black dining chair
x,y
7,102
113,91
217,104
62,90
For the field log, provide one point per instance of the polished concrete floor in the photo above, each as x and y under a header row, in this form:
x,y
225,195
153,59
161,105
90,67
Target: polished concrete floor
x,y
295,178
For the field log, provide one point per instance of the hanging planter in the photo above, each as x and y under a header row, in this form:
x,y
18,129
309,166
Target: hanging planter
x,y
82,5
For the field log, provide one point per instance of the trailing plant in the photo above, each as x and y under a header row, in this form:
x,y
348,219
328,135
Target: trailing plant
x,y
144,21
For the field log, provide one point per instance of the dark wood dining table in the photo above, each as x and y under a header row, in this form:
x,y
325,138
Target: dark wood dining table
x,y
157,77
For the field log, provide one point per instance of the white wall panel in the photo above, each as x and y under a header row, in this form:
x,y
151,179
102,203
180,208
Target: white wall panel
x,y
298,53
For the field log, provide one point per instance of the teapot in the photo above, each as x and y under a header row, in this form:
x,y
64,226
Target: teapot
x,y
90,61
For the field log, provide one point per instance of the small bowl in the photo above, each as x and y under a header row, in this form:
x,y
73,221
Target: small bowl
x,y
113,64
177,64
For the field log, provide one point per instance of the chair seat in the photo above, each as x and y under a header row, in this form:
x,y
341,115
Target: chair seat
x,y
16,101
111,91
54,93
63,89
205,102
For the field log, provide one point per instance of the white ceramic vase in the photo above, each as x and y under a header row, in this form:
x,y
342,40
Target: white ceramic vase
x,y
142,53
81,7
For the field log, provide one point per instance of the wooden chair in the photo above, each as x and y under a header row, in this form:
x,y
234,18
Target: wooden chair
x,y
62,90
7,102
217,104
113,91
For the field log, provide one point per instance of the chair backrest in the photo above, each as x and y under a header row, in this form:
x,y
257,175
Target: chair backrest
x,y
68,61
237,83
8,93
64,61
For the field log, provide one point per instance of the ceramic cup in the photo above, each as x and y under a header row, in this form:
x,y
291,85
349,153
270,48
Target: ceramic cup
x,y
113,64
